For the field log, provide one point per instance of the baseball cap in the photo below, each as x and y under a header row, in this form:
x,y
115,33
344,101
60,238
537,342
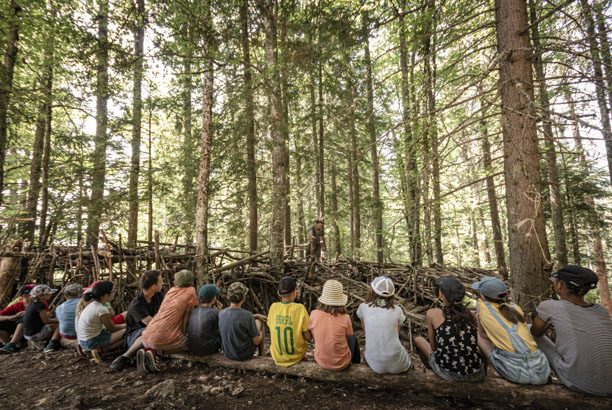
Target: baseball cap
x,y
40,290
25,289
73,289
286,285
238,289
208,292
491,287
183,277
577,277
451,288
383,286
90,287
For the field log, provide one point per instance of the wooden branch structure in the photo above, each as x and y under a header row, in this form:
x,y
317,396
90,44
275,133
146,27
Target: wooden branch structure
x,y
492,389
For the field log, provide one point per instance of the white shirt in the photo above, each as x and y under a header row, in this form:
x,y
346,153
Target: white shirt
x,y
384,352
89,324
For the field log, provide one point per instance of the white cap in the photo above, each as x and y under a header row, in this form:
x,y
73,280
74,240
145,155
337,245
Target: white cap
x,y
383,286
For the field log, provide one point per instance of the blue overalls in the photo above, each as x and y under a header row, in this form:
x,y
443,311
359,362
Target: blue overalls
x,y
523,366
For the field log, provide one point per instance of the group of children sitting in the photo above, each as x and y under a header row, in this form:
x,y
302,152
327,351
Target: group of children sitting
x,y
457,347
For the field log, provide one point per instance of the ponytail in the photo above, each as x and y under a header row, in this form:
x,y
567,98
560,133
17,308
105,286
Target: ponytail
x,y
508,312
82,303
459,315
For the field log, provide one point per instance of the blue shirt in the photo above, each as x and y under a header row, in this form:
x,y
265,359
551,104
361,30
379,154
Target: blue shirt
x,y
65,314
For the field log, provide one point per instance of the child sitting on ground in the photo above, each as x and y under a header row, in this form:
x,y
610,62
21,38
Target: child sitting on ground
x,y
581,356
336,346
167,331
381,320
141,311
241,331
203,328
66,312
95,329
288,323
37,325
452,350
504,338
11,320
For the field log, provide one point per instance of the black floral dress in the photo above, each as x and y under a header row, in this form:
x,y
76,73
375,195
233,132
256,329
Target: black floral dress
x,y
457,349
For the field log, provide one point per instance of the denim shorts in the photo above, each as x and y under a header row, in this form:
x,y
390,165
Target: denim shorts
x,y
477,376
99,342
523,368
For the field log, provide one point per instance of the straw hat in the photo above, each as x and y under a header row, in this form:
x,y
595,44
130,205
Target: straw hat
x,y
332,294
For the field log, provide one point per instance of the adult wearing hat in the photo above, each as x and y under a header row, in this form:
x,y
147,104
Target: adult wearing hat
x,y
381,320
504,338
336,346
452,349
203,329
581,356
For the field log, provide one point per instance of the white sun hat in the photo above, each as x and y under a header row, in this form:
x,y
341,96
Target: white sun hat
x,y
383,286
332,294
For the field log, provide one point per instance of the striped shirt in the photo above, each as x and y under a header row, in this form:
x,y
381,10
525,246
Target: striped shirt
x,y
583,345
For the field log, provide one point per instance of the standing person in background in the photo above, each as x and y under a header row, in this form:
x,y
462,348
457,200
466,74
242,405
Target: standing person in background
x,y
141,311
452,349
581,355
288,323
316,242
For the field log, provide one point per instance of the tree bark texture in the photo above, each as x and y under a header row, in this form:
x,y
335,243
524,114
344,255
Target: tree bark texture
x,y
133,198
353,166
98,173
600,90
189,175
411,168
250,127
333,202
371,126
205,151
44,199
602,34
554,184
279,192
284,84
522,174
6,82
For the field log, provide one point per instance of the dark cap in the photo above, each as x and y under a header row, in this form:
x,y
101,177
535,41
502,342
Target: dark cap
x,y
208,293
25,289
451,288
286,285
577,277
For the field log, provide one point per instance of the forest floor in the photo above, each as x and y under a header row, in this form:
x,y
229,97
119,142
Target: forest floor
x,y
61,380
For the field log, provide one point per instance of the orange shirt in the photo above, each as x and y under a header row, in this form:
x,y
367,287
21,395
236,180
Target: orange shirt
x,y
165,327
330,332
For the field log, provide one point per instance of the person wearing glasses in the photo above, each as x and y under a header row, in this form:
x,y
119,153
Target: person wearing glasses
x,y
581,355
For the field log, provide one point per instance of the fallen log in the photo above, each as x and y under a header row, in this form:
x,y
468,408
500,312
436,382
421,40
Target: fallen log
x,y
492,389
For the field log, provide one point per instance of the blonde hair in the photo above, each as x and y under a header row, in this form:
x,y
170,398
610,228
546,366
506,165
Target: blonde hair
x,y
80,306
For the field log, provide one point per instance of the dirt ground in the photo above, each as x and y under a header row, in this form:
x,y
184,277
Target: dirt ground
x,y
61,380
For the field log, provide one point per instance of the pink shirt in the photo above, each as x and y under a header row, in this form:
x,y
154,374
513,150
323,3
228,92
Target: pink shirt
x,y
165,327
330,332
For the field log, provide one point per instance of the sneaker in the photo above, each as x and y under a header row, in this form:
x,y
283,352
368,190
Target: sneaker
x,y
8,348
140,361
152,361
98,356
121,363
52,346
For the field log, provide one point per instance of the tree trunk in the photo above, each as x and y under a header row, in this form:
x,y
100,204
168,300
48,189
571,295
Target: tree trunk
x,y
411,169
598,80
529,278
602,32
98,173
315,144
353,163
133,199
283,63
189,174
554,184
205,151
6,82
300,201
250,127
568,187
44,206
320,154
334,209
279,192
150,184
371,125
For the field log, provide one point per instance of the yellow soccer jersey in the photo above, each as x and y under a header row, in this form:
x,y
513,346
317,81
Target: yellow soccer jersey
x,y
287,321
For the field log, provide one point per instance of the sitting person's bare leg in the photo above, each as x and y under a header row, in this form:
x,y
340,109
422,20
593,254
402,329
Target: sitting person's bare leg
x,y
262,331
423,348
